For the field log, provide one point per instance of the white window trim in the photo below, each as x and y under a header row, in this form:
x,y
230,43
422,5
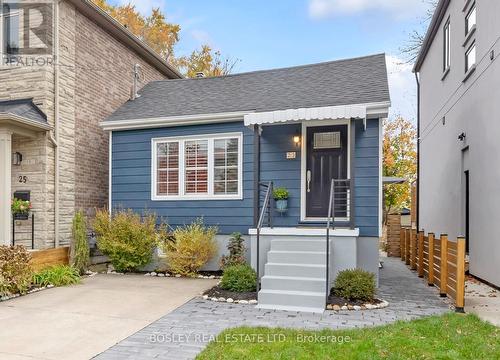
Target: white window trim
x,y
187,197
446,47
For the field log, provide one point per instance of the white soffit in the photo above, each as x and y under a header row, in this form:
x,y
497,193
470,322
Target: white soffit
x,y
305,114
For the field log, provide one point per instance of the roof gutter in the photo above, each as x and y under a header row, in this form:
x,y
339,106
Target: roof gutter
x,y
28,123
121,33
439,14
170,121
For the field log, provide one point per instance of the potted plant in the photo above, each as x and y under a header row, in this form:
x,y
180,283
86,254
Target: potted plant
x,y
280,195
20,209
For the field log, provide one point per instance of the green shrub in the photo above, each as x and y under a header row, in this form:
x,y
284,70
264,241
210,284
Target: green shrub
x,y
355,285
80,252
280,193
192,247
15,270
126,238
58,275
239,278
236,249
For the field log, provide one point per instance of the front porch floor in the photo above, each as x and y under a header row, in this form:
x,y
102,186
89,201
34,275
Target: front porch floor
x,y
187,330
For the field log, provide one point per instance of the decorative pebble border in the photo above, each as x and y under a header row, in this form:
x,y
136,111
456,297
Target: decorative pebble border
x,y
166,274
229,300
10,297
383,304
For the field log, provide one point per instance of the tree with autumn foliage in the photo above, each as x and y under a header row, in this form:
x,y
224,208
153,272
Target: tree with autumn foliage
x,y
400,160
162,37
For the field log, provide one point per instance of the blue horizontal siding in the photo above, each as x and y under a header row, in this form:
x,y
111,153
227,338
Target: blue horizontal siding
x,y
131,179
366,178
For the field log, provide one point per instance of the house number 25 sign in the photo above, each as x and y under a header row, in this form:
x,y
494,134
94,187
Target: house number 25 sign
x,y
23,179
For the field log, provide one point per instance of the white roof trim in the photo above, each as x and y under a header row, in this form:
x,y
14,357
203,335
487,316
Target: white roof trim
x,y
23,121
358,111
170,121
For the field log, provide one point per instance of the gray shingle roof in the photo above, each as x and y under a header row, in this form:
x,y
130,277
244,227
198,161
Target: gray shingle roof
x,y
24,108
343,82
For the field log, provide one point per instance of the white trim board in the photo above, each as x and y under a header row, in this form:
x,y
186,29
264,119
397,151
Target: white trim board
x,y
210,195
295,231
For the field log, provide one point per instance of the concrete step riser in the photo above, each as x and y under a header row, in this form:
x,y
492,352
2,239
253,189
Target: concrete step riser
x,y
295,270
296,258
293,284
298,245
309,301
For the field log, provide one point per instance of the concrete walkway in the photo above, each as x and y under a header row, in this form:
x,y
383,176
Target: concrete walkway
x,y
482,300
78,322
185,332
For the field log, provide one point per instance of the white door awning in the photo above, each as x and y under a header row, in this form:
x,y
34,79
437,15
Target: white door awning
x,y
305,114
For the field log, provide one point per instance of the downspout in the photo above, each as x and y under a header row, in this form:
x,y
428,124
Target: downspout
x,y
56,124
417,208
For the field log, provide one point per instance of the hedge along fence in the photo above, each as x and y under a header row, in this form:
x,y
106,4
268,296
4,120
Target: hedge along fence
x,y
439,260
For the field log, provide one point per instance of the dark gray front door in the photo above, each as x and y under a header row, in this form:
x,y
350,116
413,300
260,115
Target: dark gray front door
x,y
326,160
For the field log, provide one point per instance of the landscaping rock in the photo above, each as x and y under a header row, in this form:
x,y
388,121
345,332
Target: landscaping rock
x,y
229,300
161,275
200,276
153,273
336,308
205,297
178,275
329,307
215,299
356,307
344,307
147,274
253,302
243,302
211,277
167,275
221,299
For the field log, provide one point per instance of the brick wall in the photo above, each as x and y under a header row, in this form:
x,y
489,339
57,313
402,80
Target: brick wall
x,y
104,66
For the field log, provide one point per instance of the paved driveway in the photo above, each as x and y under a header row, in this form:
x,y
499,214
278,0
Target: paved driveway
x,y
81,321
186,331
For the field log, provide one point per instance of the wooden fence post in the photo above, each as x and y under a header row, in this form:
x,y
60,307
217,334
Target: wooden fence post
x,y
402,243
430,280
407,246
413,247
444,265
420,266
460,302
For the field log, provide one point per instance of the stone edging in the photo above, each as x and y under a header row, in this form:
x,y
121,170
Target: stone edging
x,y
166,274
383,304
230,301
10,297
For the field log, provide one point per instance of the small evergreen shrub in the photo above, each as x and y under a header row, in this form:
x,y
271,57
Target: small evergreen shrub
x,y
355,285
80,252
236,249
15,270
126,238
239,278
192,247
58,275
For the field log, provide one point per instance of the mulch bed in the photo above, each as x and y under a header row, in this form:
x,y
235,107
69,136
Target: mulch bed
x,y
340,301
218,292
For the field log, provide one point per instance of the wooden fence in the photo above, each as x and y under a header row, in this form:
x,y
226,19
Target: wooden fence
x,y
393,235
44,258
439,260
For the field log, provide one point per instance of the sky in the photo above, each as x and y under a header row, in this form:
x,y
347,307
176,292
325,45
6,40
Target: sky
x,y
281,33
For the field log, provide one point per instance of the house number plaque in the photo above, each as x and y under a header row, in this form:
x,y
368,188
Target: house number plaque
x,y
291,155
23,179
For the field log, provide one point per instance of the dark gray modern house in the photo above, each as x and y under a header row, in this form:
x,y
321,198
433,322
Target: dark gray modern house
x,y
214,147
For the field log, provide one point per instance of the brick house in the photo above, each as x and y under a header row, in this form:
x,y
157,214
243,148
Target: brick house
x,y
50,109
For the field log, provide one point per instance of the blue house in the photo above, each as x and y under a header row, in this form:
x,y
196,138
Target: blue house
x,y
217,147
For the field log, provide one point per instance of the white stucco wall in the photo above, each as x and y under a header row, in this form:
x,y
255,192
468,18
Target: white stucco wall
x,y
471,107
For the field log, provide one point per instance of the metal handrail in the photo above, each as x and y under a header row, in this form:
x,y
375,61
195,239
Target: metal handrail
x,y
260,222
329,221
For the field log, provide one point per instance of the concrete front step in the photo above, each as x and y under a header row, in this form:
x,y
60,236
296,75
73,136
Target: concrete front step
x,y
284,300
296,257
293,283
298,245
295,270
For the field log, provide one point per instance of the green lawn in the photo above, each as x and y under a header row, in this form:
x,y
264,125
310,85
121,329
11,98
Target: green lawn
x,y
451,336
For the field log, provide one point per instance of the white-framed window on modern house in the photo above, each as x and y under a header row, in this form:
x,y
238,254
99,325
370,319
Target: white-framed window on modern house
x,y
470,57
202,167
167,160
470,20
446,46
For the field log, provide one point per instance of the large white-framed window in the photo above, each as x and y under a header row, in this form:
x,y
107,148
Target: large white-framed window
x,y
198,167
